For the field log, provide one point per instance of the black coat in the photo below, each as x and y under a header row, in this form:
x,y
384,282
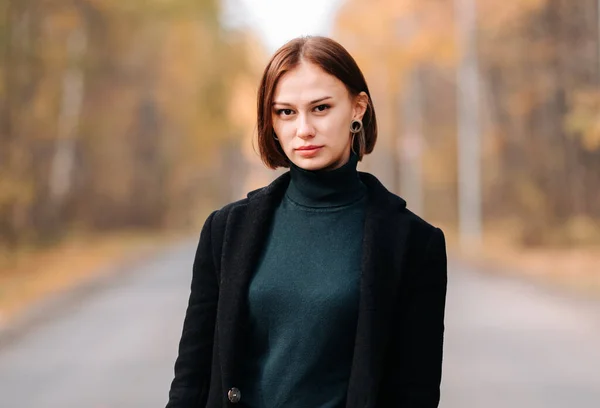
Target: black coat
x,y
398,347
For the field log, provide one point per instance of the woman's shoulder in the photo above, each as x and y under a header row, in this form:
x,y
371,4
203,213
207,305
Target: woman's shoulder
x,y
274,188
421,231
395,206
419,223
219,216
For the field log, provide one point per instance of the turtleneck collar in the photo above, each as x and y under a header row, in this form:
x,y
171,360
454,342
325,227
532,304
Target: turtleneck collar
x,y
326,188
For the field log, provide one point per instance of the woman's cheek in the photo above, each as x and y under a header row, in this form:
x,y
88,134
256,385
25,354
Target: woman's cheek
x,y
287,130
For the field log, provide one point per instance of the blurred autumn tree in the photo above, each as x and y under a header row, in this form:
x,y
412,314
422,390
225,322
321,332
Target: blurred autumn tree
x,y
539,62
112,113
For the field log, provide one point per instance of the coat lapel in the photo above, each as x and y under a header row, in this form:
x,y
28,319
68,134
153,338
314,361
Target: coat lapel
x,y
246,231
385,234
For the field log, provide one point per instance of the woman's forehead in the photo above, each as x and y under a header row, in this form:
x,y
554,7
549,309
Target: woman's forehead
x,y
305,83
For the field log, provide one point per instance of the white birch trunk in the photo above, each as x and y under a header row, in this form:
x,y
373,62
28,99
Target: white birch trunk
x,y
62,166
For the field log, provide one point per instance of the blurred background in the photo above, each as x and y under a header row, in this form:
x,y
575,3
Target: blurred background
x,y
123,123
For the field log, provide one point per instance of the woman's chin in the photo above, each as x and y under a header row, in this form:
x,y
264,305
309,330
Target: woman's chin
x,y
311,163
317,163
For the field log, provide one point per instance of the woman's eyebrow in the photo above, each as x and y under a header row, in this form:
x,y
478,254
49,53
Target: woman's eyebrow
x,y
310,103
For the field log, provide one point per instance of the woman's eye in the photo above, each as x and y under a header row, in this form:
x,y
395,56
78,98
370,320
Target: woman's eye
x,y
322,108
284,112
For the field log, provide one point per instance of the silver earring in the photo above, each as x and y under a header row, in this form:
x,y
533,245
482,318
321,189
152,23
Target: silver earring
x,y
356,126
361,143
275,136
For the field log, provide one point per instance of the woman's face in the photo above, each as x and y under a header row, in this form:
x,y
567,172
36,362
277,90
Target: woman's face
x,y
312,113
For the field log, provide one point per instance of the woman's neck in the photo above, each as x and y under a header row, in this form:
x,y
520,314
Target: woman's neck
x,y
326,188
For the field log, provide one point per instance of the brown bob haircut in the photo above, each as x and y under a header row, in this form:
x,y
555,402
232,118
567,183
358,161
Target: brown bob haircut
x,y
332,58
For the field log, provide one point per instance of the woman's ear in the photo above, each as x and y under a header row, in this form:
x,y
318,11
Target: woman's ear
x,y
361,102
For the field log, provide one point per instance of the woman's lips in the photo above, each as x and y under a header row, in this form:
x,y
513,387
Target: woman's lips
x,y
308,151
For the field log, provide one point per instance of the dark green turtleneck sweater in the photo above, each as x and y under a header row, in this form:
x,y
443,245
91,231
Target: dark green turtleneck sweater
x,y
303,298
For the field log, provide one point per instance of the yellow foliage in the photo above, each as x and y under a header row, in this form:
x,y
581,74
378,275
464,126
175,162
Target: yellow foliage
x,y
397,34
498,15
583,121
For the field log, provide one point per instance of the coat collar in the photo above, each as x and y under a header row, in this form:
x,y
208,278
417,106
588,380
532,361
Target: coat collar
x,y
385,234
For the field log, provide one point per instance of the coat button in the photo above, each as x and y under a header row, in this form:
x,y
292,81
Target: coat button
x,y
234,395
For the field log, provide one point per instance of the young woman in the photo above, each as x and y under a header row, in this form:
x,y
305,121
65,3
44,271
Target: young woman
x,y
320,290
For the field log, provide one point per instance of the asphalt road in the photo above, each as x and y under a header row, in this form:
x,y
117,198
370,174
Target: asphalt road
x,y
508,344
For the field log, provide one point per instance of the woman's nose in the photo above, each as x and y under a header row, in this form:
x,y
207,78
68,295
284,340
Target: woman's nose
x,y
305,130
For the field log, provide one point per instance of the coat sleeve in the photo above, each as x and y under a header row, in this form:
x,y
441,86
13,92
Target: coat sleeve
x,y
190,385
418,364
